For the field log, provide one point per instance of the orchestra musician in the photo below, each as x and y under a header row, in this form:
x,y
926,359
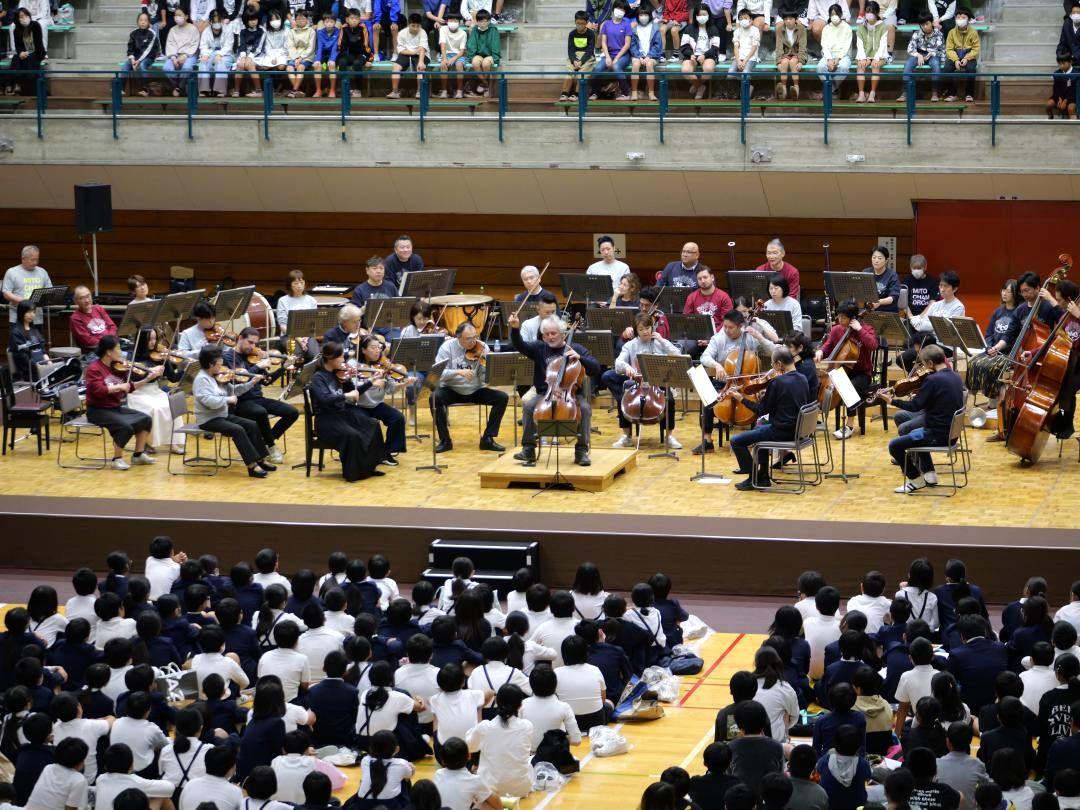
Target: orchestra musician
x,y
940,396
356,435
89,323
297,299
252,404
626,368
530,280
646,301
984,371
707,299
799,345
847,318
947,306
373,399
212,401
194,337
105,390
420,323
552,344
1065,300
546,307
348,327
1030,285
733,336
463,381
151,399
784,395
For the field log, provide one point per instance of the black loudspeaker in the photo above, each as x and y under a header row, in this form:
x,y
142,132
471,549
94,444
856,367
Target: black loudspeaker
x,y
93,208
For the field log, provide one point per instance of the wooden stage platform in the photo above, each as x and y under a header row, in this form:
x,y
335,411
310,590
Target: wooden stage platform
x,y
607,465
1010,521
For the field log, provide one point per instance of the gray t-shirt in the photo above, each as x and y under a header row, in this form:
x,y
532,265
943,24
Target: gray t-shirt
x,y
22,282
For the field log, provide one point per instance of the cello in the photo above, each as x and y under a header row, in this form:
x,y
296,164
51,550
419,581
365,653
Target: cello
x,y
739,364
564,376
641,403
1040,384
846,351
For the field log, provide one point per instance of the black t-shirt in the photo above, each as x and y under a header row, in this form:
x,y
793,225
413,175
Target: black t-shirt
x,y
921,293
934,796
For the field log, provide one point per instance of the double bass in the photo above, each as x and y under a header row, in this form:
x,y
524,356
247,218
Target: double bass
x,y
564,376
738,365
1035,390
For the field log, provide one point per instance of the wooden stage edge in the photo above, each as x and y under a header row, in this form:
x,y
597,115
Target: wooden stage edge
x,y
703,555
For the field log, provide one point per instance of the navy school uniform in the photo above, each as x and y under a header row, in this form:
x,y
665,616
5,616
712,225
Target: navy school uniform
x,y
946,604
800,655
837,672
120,589
183,635
40,697
244,641
250,598
1023,639
220,587
1011,618
671,614
96,704
181,585
198,620
890,634
386,650
162,652
224,714
75,659
613,665
708,789
7,676
456,652
800,682
399,634
988,720
296,606
362,597
137,609
30,760
897,663
335,704
261,742
976,666
1064,753
635,641
826,726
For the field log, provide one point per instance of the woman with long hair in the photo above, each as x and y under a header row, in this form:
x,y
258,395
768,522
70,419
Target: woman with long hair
x,y
774,693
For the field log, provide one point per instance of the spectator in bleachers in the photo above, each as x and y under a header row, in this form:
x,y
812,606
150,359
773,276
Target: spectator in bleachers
x,y
962,56
1063,95
484,52
411,55
871,51
300,49
926,47
614,46
250,45
1069,41
835,59
470,10
646,48
452,48
215,57
580,60
389,17
181,49
790,53
819,16
325,57
944,14
760,11
746,41
674,17
434,21
700,48
142,49
276,52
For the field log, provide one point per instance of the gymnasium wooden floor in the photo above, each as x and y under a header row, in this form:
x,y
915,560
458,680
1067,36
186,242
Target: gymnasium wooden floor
x,y
1001,492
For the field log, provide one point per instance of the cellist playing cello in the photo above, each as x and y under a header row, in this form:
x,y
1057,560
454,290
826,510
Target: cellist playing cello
x,y
1064,298
552,345
849,328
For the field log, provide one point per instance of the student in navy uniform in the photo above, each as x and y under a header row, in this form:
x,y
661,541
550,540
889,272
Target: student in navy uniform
x,y
240,638
1036,625
334,703
1064,753
191,573
1006,684
976,663
221,709
96,704
141,678
708,789
955,588
448,648
152,647
1010,733
1012,615
842,699
671,612
398,624
177,627
892,632
793,674
264,736
851,649
220,585
34,756
634,639
74,653
246,591
116,580
898,659
609,659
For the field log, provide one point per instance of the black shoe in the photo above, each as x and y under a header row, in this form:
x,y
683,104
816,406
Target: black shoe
x,y
266,465
257,472
444,447
741,472
705,447
745,486
488,443
377,473
787,458
581,457
527,454
389,461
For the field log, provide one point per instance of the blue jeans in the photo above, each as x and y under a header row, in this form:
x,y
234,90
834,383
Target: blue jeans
x,y
622,64
179,74
214,73
142,67
935,71
922,463
740,444
843,65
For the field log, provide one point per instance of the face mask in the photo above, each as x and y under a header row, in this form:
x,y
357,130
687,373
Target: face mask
x,y
216,27
275,24
744,23
644,19
1075,18
961,24
452,25
918,272
618,14
179,20
835,19
871,18
703,19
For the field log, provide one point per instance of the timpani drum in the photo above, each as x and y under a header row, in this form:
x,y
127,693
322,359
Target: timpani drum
x,y
457,309
330,300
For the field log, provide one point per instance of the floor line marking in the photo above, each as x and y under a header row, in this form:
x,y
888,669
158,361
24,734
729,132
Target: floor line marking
x,y
709,671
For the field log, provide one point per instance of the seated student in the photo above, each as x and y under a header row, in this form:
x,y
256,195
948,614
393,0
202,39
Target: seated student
x,y
926,730
844,771
893,624
872,51
588,592
493,613
1035,626
143,47
118,656
142,737
318,640
495,672
608,658
286,661
1063,93
418,677
926,47
216,785
1009,773
411,53
787,623
335,704
381,706
792,675
184,758
1012,613
699,48
805,793
649,619
790,54
62,785
354,53
988,797
74,653
181,51
292,766
448,648
537,606
943,686
70,722
240,639
260,786
452,47
870,601
105,389
213,659
33,756
679,780
459,788
81,605
582,686
851,648
251,41
823,628
176,626
1009,733
1063,639
325,57
504,744
547,712
914,684
273,613
928,791
959,769
835,41
754,753
613,46
1067,787
1039,678
455,708
745,43
221,709
142,678
743,687
484,51
708,789
300,48
635,640
1006,684
876,710
646,47
671,612
1056,705
961,56
842,698
116,776
561,624
95,702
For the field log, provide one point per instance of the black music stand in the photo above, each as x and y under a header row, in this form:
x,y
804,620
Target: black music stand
x,y
299,380
585,288
394,312
666,371
672,300
753,285
615,320
177,307
310,323
508,308
858,286
426,283
889,325
972,340
707,395
556,430
690,327
431,382
946,333
416,354
136,316
850,397
779,320
235,302
513,369
47,298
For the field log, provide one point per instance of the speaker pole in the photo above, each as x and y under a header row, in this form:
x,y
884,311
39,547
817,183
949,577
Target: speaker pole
x,y
95,267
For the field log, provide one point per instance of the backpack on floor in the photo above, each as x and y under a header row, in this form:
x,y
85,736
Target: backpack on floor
x,y
554,748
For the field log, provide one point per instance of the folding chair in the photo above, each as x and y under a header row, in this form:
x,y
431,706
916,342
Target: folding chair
x,y
197,464
805,437
72,418
955,456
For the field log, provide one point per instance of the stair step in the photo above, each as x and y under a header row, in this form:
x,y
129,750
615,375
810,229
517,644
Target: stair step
x,y
499,555
501,582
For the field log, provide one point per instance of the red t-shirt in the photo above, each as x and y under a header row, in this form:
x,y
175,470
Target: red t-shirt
x,y
98,377
676,10
788,271
717,304
89,328
867,341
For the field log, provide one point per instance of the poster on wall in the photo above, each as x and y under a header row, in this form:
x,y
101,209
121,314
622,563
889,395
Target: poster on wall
x,y
889,242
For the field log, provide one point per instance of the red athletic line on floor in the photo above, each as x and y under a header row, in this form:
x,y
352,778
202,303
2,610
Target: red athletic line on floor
x,y
714,665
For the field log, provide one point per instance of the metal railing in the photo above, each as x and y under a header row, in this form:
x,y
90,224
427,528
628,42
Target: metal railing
x,y
668,84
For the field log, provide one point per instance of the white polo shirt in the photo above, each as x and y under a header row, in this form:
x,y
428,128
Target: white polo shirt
x,y
581,686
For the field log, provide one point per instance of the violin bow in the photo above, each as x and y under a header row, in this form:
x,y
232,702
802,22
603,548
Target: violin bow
x,y
526,298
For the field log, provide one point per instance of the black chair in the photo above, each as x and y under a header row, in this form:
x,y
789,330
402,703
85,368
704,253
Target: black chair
x,y
32,415
312,442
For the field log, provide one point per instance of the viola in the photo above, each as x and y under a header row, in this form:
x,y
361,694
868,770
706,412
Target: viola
x,y
229,375
564,376
217,334
902,388
477,353
161,355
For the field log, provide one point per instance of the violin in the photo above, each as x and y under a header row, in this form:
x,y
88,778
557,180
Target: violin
x,y
394,371
477,353
217,334
258,355
902,388
564,376
162,355
229,375
127,367
738,365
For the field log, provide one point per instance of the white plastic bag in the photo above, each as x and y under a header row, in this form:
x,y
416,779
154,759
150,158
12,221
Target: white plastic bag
x,y
663,683
694,628
547,777
606,742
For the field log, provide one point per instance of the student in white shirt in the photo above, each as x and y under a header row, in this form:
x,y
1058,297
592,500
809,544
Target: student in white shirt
x,y
318,641
260,786
495,672
335,615
517,632
379,573
70,723
582,685
266,568
111,620
493,614
162,567
456,709
918,590
822,628
505,744
774,693
81,605
118,657
810,582
273,613
335,576
459,788
1040,678
588,592
914,684
215,785
418,677
212,661
425,613
380,704
142,737
537,599
515,599
1071,612
184,758
608,265
381,775
62,786
45,622
286,661
561,624
871,601
545,711
291,767
117,765
462,569
646,616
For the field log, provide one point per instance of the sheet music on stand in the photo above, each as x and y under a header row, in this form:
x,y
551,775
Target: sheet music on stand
x,y
388,313
139,314
416,353
690,327
971,337
585,288
857,286
946,332
46,299
233,304
889,325
850,397
426,283
672,300
707,396
753,285
510,369
310,323
615,320
666,371
299,380
600,343
779,320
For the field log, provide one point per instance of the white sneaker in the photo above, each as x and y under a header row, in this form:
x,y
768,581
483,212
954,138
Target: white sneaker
x,y
930,478
142,458
673,443
911,485
843,433
119,464
276,456
623,441
178,450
